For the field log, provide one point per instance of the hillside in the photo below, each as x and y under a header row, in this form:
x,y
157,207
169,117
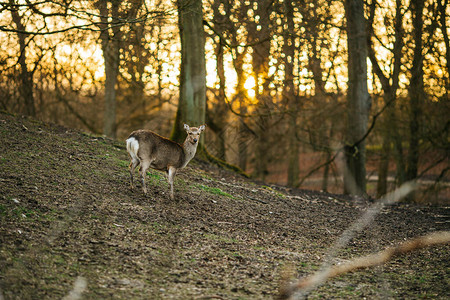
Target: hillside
x,y
68,218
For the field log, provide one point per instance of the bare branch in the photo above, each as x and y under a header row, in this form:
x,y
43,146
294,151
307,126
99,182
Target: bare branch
x,y
372,260
324,273
81,14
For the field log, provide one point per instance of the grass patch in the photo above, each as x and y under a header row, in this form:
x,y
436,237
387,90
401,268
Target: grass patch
x,y
155,175
213,190
2,210
122,163
18,212
268,188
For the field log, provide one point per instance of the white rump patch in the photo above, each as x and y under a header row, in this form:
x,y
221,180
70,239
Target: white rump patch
x,y
133,147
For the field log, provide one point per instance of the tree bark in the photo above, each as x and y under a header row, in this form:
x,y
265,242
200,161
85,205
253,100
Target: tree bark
x,y
192,101
390,85
444,28
260,64
289,95
358,99
416,91
110,39
221,108
242,129
26,76
111,56
383,167
217,111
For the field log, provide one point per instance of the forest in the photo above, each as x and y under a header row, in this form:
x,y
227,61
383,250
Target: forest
x,y
341,96
322,172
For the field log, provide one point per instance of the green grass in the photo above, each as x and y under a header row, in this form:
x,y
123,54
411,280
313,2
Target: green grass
x,y
213,190
122,163
268,188
2,210
18,212
155,175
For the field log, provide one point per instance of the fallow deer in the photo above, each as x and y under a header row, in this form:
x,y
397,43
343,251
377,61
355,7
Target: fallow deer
x,y
150,150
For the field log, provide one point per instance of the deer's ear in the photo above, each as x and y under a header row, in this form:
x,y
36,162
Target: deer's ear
x,y
201,128
186,127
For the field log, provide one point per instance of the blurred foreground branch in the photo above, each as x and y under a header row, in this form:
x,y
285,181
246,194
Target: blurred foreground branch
x,y
324,273
367,261
79,287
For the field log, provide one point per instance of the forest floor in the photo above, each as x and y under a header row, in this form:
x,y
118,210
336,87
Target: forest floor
x,y
69,223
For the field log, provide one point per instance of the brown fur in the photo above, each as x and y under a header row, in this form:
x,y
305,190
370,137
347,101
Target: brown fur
x,y
150,150
167,152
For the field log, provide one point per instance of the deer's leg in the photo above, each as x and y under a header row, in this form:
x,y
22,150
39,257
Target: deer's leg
x,y
133,164
143,172
170,176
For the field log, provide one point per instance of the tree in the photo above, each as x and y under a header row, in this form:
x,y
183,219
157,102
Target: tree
x,y
358,99
111,38
289,93
217,110
259,35
26,76
444,29
390,85
32,21
238,54
192,100
416,90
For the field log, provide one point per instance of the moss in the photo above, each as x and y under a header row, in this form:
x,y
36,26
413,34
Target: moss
x,y
204,154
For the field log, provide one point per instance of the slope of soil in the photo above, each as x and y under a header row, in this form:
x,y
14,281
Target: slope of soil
x,y
71,224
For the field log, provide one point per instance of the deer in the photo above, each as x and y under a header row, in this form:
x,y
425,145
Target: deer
x,y
150,150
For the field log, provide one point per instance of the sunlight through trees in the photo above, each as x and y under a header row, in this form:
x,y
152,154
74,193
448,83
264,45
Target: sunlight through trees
x,y
276,84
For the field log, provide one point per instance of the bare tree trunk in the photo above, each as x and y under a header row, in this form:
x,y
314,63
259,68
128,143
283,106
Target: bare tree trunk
x,y
159,67
314,64
217,113
111,56
416,92
221,107
289,95
216,118
262,145
327,168
110,47
243,134
111,16
260,63
390,86
242,129
137,70
26,77
192,102
444,29
383,167
358,98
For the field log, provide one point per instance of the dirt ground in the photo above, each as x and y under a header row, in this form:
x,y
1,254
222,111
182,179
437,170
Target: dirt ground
x,y
71,226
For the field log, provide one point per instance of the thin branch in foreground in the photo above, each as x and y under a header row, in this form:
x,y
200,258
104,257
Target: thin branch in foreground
x,y
372,260
79,287
359,225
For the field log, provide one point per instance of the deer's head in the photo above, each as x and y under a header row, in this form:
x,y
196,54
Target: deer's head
x,y
194,133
